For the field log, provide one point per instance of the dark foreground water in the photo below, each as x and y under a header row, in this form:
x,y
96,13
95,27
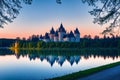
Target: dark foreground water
x,y
44,64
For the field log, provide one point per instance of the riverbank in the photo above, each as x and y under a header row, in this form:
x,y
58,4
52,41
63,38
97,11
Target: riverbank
x,y
108,74
86,73
12,48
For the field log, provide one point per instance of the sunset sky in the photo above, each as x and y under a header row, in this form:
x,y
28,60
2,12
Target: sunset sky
x,y
39,17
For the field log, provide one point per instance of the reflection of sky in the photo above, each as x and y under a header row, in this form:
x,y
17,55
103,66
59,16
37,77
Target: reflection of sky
x,y
39,17
23,68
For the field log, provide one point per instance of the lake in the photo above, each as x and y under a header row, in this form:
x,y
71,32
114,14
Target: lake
x,y
45,64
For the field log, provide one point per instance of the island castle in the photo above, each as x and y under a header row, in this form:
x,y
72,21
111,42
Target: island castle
x,y
60,35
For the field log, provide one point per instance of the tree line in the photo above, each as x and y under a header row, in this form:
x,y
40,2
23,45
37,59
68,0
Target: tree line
x,y
7,42
86,42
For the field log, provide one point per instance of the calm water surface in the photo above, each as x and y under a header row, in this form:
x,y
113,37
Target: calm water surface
x,y
34,65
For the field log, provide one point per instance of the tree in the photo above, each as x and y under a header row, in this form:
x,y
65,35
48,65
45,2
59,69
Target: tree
x,y
39,44
96,37
30,45
9,9
108,11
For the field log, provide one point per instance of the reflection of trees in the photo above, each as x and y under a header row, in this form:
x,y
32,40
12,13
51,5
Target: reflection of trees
x,y
72,56
4,52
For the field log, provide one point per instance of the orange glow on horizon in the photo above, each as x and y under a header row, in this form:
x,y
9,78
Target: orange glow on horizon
x,y
9,32
82,33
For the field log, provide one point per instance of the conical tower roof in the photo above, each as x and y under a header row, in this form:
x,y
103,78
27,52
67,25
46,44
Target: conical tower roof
x,y
71,34
61,28
76,31
52,31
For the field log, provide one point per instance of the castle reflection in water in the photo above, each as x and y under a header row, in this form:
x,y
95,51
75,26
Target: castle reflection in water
x,y
51,59
61,56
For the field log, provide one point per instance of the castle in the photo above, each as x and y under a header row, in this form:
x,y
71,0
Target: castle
x,y
60,35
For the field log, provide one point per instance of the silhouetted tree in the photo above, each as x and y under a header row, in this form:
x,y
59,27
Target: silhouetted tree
x,y
18,38
105,11
96,37
87,36
34,38
9,9
108,11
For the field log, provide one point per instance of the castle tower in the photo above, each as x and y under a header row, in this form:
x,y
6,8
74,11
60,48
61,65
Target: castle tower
x,y
56,37
61,33
77,35
52,34
67,37
72,37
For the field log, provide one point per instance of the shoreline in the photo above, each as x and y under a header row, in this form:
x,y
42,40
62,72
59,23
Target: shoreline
x,y
63,48
85,73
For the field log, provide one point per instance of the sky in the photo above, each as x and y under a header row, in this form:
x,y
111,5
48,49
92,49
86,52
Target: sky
x,y
42,15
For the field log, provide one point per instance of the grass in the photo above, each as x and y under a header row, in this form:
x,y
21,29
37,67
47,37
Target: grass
x,y
85,73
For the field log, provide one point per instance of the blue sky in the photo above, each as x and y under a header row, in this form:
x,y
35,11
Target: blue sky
x,y
39,17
